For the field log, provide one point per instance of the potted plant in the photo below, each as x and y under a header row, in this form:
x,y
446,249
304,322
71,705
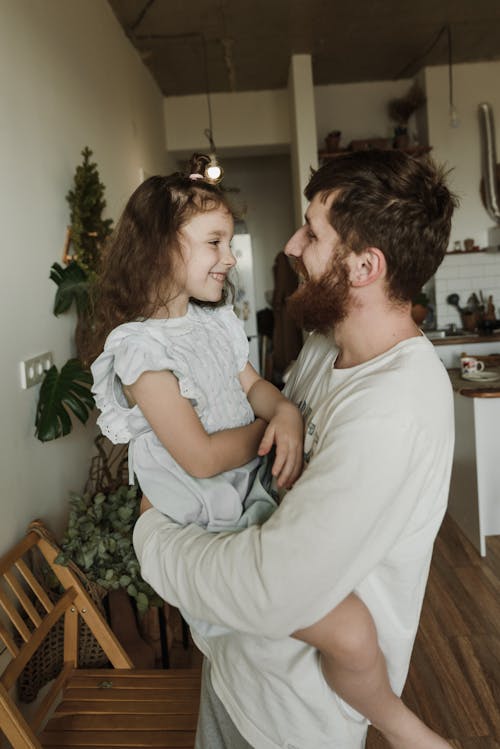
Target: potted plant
x,y
98,540
400,111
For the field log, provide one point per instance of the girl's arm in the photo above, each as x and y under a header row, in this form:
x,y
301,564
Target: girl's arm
x,y
286,426
177,426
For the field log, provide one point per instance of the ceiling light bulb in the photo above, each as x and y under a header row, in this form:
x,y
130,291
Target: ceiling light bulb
x,y
213,172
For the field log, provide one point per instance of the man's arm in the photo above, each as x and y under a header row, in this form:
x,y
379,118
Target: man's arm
x,y
338,522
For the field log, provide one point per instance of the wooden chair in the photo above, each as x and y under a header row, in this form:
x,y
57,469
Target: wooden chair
x,y
112,707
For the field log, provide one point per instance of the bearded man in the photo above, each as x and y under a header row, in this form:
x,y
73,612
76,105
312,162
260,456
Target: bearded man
x,y
363,516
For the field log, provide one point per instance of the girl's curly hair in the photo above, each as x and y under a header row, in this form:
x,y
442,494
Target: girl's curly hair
x,y
140,257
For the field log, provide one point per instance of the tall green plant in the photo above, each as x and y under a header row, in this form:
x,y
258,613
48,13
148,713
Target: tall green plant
x,y
86,201
66,393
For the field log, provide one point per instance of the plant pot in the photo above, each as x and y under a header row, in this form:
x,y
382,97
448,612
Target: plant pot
x,y
402,141
332,141
123,622
419,313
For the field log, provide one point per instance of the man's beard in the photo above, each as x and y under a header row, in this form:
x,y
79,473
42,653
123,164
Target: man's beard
x,y
323,303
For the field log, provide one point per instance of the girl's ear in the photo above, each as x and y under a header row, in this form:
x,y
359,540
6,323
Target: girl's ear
x,y
367,267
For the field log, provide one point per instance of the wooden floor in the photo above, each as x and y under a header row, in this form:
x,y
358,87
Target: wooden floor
x,y
454,679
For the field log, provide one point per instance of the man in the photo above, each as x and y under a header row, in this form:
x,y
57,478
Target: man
x,y
364,514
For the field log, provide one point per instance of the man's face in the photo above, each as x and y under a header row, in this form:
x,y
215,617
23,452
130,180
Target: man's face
x,y
322,300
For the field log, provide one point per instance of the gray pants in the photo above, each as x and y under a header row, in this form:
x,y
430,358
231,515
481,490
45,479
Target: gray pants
x,y
215,728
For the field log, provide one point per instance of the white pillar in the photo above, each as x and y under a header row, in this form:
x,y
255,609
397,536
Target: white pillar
x,y
304,149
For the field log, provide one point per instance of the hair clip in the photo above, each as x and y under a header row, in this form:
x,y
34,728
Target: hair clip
x,y
195,176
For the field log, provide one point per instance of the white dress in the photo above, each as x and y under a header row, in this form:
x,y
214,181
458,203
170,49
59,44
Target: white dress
x,y
206,350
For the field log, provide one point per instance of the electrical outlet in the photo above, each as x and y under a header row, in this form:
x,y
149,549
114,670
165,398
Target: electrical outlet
x,y
33,370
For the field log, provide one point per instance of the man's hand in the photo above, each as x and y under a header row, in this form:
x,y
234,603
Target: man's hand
x,y
145,505
286,431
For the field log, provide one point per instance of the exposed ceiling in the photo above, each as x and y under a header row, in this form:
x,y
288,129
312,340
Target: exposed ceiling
x,y
244,45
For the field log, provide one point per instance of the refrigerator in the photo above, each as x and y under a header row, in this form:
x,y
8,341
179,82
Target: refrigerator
x,y
244,299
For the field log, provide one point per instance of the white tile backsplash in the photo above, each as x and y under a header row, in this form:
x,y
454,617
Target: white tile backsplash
x,y
464,274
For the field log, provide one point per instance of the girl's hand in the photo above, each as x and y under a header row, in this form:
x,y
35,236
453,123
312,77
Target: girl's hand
x,y
286,431
145,505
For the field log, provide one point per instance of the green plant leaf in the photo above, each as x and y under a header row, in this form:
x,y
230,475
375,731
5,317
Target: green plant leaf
x,y
100,542
73,286
142,603
62,393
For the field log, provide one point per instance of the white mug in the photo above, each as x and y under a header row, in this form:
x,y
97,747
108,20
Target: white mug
x,y
470,365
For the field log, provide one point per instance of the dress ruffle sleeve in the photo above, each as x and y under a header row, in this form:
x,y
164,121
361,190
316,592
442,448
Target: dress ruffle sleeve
x,y
237,334
128,353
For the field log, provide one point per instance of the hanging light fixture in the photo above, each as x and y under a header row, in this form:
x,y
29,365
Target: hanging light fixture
x,y
213,170
454,120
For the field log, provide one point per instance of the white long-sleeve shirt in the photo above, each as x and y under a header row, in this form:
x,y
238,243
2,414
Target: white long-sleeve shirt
x,y
362,517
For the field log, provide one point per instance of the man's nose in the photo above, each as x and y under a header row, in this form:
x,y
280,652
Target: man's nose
x,y
294,245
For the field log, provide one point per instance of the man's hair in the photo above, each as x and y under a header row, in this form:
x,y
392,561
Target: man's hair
x,y
392,201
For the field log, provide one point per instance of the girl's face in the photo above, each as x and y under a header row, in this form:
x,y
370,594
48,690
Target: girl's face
x,y
206,257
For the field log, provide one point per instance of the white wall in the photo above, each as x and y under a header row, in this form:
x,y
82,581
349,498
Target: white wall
x,y
303,126
69,78
460,149
265,184
358,110
463,274
243,122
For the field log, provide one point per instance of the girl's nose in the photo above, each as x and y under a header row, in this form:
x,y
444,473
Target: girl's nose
x,y
230,259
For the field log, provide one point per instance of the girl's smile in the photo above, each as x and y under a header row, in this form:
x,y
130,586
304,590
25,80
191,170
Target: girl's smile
x,y
206,259
220,277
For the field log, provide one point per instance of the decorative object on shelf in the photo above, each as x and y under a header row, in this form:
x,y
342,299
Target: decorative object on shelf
x,y
468,245
400,111
67,392
365,144
332,141
473,314
490,313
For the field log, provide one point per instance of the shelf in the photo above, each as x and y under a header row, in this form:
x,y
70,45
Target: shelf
x,y
412,150
466,252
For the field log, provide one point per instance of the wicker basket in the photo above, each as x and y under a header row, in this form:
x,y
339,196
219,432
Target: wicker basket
x,y
108,471
47,661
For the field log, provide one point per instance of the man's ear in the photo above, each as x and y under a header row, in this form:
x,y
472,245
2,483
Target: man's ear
x,y
367,266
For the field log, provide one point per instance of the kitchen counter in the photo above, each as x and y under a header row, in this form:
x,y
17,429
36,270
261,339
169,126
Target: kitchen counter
x,y
475,389
474,501
450,348
464,339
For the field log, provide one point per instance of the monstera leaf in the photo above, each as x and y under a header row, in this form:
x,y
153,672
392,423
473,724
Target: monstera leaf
x,y
73,286
61,394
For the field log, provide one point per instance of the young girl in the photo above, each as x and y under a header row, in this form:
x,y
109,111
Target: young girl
x,y
174,382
